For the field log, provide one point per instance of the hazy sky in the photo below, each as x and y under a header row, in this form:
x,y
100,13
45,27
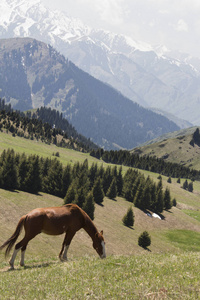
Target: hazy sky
x,y
174,23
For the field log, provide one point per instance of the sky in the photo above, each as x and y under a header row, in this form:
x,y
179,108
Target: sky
x,y
175,24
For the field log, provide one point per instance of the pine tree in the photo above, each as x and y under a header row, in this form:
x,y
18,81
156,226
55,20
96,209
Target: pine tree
x,y
146,196
138,195
119,182
112,191
53,184
88,205
97,191
190,187
66,180
167,199
174,203
8,170
159,205
32,181
169,180
128,219
70,195
185,185
144,240
22,171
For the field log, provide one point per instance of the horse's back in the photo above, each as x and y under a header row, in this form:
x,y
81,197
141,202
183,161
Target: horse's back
x,y
55,220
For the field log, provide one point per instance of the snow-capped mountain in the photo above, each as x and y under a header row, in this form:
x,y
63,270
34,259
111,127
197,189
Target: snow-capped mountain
x,y
152,77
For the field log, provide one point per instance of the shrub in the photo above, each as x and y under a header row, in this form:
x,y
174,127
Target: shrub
x,y
144,240
174,203
169,180
128,219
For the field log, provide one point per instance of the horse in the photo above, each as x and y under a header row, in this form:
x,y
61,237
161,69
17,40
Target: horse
x,y
66,219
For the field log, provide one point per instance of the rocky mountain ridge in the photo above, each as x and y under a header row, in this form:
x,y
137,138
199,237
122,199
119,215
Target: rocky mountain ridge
x,y
150,76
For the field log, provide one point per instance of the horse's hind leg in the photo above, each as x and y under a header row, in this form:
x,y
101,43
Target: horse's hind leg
x,y
11,262
23,249
20,246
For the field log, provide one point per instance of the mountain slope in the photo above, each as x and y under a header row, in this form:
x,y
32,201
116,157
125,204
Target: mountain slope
x,y
150,77
175,147
33,74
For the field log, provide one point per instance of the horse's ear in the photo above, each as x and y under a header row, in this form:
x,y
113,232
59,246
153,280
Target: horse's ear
x,y
101,232
96,234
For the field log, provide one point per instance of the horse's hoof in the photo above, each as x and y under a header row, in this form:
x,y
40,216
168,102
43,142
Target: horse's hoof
x,y
11,266
63,259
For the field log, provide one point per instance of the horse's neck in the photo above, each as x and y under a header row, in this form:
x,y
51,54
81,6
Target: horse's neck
x,y
90,227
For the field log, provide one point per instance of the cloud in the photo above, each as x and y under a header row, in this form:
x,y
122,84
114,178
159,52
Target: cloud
x,y
182,26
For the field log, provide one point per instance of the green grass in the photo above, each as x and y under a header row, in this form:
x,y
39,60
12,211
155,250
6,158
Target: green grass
x,y
193,213
136,277
186,240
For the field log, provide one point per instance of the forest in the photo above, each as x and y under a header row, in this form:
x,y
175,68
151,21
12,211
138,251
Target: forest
x,y
80,184
148,163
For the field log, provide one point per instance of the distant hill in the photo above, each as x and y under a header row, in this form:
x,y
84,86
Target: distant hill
x,y
179,147
33,74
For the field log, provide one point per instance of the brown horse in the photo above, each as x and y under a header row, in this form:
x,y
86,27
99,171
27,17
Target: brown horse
x,y
66,219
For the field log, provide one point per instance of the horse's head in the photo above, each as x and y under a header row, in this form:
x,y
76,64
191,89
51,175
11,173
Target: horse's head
x,y
99,244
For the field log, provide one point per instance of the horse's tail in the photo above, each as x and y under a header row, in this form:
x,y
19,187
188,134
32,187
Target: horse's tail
x,y
11,241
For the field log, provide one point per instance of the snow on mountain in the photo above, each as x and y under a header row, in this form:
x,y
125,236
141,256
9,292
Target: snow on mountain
x,y
151,76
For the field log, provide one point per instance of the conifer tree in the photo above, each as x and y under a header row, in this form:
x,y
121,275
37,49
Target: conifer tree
x,y
185,185
169,180
70,195
97,191
32,181
167,199
159,205
190,187
8,170
128,219
138,195
119,182
66,180
88,205
144,240
53,184
112,191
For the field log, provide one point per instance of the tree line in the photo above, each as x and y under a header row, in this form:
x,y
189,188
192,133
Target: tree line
x,y
45,124
80,183
149,163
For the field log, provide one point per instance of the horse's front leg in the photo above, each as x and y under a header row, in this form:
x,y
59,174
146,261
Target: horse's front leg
x,y
65,246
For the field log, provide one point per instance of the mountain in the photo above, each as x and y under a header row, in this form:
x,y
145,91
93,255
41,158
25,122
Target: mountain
x,y
152,77
33,74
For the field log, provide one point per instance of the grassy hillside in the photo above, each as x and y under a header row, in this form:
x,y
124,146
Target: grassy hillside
x,y
169,270
28,146
175,148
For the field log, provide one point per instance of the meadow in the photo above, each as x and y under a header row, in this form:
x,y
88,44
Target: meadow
x,y
169,269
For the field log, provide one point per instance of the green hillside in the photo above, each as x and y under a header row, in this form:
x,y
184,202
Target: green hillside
x,y
174,148
170,268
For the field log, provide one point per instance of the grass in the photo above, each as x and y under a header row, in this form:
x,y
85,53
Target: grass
x,y
186,240
193,213
136,277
